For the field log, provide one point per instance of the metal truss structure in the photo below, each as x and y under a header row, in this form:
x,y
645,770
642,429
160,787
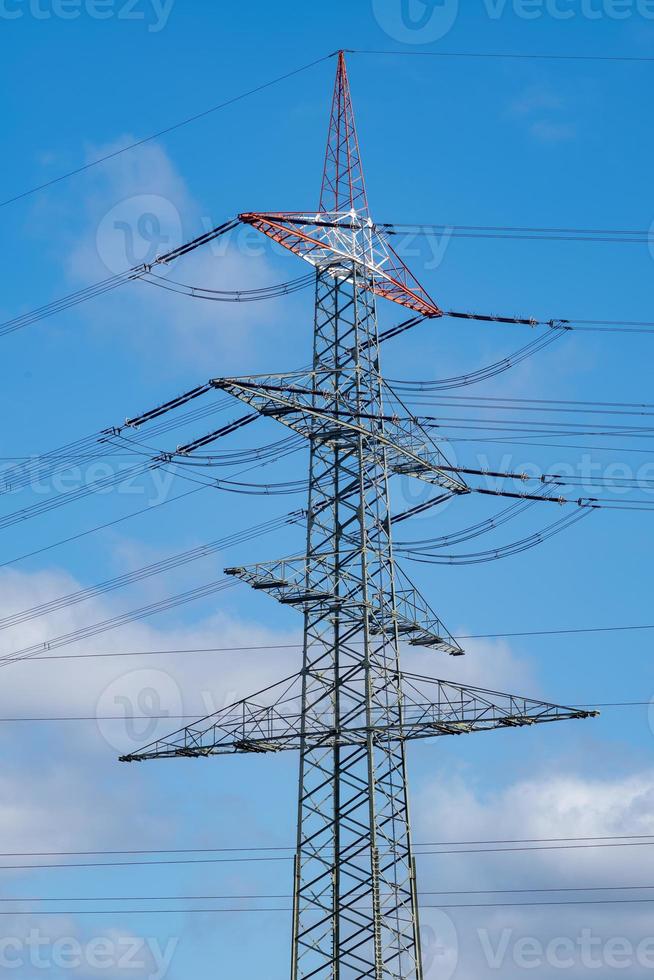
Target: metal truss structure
x,y
350,711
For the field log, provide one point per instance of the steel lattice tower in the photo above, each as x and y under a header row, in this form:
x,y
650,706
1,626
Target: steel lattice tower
x,y
351,710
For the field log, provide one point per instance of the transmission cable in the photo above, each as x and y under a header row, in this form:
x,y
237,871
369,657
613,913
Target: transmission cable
x,y
112,282
267,910
509,233
122,619
274,859
503,551
96,446
232,295
163,132
473,531
494,370
188,651
277,848
99,527
511,56
421,391
268,897
159,462
147,571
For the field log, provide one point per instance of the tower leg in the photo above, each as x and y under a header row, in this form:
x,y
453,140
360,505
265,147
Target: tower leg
x,y
355,913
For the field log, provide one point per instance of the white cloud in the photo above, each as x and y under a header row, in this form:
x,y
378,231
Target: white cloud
x,y
181,683
170,685
487,663
559,805
542,111
136,207
61,806
547,131
536,98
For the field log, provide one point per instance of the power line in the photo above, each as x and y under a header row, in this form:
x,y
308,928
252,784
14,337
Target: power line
x,y
503,55
131,616
543,445
289,857
158,653
147,571
265,85
420,395
523,234
268,897
199,716
553,632
508,232
101,527
257,848
163,132
298,646
250,911
566,324
144,274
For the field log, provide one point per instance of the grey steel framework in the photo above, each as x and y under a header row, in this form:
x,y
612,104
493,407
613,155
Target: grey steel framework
x,y
351,710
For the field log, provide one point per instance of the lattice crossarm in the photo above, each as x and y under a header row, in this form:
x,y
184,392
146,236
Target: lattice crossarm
x,y
269,721
292,404
336,242
294,582
439,707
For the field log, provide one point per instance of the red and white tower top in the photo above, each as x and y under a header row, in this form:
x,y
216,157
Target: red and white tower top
x,y
341,231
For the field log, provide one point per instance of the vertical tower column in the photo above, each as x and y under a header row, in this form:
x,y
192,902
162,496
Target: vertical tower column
x,y
354,907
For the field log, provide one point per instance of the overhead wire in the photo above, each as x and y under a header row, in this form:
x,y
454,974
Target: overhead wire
x,y
645,838
288,858
95,446
232,295
261,897
640,838
288,910
486,373
494,554
122,619
113,282
502,55
505,403
564,325
474,530
168,129
99,527
188,651
502,232
147,571
592,503
131,616
284,448
535,426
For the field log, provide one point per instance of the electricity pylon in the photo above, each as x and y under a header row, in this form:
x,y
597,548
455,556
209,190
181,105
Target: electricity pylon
x,y
351,710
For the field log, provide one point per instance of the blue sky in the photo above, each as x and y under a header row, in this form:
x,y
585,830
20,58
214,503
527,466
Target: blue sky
x,y
453,141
